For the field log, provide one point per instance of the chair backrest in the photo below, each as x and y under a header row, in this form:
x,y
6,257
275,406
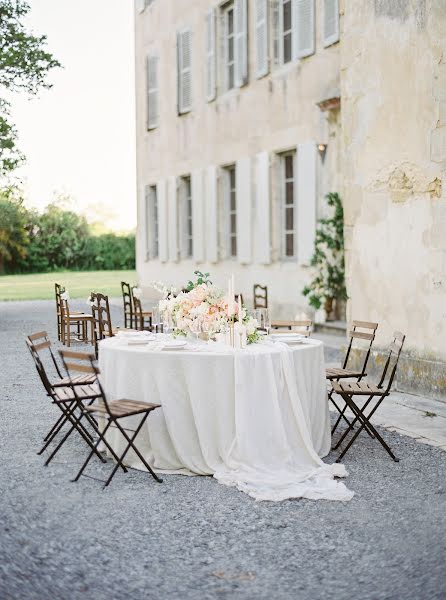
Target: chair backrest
x,y
391,364
85,363
127,299
303,326
361,330
137,307
37,343
59,290
102,326
260,296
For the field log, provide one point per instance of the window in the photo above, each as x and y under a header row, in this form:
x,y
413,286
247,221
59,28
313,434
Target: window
x,y
152,91
288,202
231,208
186,236
210,56
286,36
229,45
184,49
151,210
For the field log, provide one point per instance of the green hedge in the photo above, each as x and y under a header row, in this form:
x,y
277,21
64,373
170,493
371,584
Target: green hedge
x,y
32,242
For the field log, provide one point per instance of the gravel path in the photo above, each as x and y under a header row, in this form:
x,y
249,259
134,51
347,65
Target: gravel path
x,y
191,538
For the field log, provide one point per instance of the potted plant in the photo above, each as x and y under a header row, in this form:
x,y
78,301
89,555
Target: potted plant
x,y
327,288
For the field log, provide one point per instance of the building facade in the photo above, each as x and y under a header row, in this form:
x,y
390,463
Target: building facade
x,y
250,111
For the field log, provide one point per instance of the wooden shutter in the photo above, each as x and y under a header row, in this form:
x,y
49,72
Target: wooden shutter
x,y
211,214
303,28
147,221
262,211
244,209
261,35
306,201
241,42
184,49
152,91
276,13
172,218
197,215
210,56
331,22
162,220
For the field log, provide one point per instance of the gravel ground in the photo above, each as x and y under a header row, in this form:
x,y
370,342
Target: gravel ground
x,y
192,538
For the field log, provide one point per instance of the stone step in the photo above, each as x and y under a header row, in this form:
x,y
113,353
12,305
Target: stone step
x,y
338,328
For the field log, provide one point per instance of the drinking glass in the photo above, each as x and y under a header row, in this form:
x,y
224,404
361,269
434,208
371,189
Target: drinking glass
x,y
156,320
196,327
265,320
167,322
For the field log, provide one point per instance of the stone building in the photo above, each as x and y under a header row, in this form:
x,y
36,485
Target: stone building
x,y
250,111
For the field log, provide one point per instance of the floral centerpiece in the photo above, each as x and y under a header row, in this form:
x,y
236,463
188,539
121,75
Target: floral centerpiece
x,y
202,306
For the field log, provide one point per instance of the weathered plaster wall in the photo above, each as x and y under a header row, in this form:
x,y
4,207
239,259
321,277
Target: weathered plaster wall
x,y
393,90
274,113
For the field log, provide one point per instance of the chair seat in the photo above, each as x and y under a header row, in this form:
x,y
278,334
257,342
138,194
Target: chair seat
x,y
83,392
363,388
122,408
78,380
79,317
338,373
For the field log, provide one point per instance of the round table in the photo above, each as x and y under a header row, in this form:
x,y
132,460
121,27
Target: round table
x,y
256,418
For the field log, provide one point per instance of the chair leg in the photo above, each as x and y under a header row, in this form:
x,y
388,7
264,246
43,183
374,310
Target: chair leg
x,y
75,425
353,423
365,423
131,445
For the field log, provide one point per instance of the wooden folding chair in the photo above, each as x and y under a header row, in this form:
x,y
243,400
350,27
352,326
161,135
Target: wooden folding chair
x,y
260,296
304,327
349,390
112,411
63,397
143,318
58,291
361,330
127,298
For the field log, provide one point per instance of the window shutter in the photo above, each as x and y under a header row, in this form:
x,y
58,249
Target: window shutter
x,y
152,91
241,42
210,56
262,214
303,28
197,215
277,28
147,223
261,20
244,209
184,49
162,220
172,214
306,201
211,215
331,22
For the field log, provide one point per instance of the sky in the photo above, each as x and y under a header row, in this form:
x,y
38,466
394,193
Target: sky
x,y
79,136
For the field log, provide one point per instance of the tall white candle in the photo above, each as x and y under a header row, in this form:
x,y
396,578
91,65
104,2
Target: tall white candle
x,y
240,309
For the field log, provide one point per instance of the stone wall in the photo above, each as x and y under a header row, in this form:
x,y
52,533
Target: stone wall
x,y
393,93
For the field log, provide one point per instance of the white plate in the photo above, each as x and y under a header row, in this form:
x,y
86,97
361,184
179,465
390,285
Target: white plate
x,y
174,345
137,342
287,337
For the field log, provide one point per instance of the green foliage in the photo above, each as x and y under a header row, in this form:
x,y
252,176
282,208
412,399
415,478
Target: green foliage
x,y
24,66
32,242
13,238
328,257
201,278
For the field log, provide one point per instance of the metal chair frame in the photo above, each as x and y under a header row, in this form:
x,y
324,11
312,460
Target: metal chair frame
x,y
113,411
336,374
348,390
67,402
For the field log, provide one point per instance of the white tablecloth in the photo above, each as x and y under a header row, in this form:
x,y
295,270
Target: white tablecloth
x,y
255,418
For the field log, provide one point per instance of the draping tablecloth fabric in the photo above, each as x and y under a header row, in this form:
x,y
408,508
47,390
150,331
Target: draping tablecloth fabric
x,y
256,419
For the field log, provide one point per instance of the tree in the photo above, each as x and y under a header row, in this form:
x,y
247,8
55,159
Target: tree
x,y
13,234
24,66
328,282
